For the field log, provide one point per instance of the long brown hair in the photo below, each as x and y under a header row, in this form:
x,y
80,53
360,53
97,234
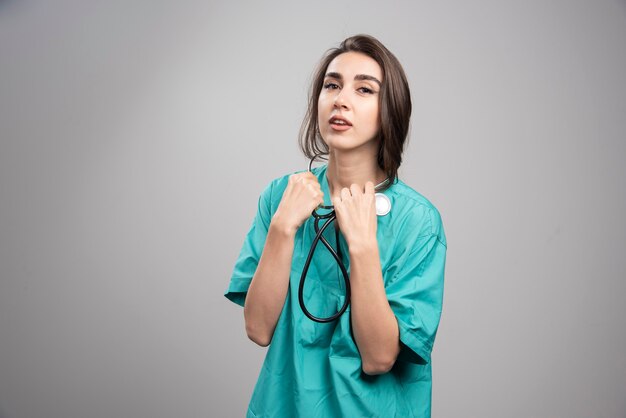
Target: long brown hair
x,y
395,105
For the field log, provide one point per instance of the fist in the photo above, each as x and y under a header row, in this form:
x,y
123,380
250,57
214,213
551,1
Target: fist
x,y
302,195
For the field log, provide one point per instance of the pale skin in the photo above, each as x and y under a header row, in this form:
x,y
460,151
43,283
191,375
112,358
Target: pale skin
x,y
351,89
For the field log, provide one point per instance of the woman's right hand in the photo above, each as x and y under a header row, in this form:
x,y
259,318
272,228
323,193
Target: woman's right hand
x,y
302,195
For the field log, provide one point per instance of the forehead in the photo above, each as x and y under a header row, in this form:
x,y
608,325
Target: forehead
x,y
349,64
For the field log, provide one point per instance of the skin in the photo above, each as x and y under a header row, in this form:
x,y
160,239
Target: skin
x,y
352,172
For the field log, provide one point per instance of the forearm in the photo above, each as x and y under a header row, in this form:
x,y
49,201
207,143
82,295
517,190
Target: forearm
x,y
373,322
268,289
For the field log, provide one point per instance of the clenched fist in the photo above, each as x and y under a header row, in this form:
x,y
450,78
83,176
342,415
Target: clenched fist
x,y
302,195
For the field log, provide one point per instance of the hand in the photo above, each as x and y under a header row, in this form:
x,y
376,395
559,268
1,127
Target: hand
x,y
302,195
356,214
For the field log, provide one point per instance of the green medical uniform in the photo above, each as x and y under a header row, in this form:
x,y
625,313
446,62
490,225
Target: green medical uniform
x,y
313,370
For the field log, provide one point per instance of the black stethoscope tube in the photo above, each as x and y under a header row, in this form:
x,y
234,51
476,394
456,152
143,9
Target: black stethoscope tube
x,y
331,216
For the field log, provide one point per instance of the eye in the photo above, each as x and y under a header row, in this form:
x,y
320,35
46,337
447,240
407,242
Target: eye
x,y
331,86
366,90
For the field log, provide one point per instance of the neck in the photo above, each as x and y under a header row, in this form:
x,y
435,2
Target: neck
x,y
352,167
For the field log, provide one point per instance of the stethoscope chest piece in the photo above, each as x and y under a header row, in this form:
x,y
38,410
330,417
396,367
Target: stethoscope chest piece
x,y
383,204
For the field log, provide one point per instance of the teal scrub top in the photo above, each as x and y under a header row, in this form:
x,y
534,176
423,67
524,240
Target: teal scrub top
x,y
313,370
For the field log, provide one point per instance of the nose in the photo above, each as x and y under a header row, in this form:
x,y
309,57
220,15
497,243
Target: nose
x,y
340,101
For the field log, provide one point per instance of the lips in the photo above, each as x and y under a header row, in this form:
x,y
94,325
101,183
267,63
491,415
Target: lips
x,y
339,123
339,120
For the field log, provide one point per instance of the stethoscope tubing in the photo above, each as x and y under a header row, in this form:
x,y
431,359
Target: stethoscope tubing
x,y
330,217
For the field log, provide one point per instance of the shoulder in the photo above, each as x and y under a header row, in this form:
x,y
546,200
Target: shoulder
x,y
416,212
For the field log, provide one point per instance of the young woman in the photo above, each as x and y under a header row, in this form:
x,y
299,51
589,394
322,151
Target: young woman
x,y
374,359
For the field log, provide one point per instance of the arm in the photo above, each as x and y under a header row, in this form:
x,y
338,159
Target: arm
x,y
373,322
268,288
266,295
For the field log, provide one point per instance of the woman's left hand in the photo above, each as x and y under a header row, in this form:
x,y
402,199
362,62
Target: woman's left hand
x,y
356,214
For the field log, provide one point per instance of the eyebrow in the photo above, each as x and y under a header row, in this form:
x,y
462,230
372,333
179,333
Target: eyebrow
x,y
356,77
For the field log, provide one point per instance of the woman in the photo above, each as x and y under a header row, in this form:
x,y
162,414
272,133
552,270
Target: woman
x,y
374,360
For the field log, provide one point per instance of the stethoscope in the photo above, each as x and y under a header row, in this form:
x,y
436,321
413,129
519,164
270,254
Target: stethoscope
x,y
383,206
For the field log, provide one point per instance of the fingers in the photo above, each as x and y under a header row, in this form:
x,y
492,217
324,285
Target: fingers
x,y
305,178
316,192
307,181
312,184
303,174
354,191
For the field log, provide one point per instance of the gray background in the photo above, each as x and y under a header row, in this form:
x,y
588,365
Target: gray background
x,y
137,136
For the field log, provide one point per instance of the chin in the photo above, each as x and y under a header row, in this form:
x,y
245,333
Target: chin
x,y
339,143
339,140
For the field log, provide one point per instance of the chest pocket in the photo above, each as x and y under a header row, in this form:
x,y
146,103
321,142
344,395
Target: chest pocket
x,y
324,291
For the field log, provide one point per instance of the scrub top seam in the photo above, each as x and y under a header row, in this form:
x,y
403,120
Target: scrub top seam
x,y
408,192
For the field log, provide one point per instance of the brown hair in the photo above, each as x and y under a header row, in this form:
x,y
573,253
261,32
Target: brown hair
x,y
395,105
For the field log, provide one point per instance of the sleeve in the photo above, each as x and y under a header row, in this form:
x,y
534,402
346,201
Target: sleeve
x,y
415,294
251,251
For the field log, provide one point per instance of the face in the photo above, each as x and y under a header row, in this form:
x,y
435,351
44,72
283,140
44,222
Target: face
x,y
348,109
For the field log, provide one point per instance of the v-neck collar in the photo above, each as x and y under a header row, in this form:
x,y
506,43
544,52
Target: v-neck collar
x,y
322,177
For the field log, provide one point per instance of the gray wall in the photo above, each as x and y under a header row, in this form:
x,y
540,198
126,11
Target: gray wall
x,y
136,137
